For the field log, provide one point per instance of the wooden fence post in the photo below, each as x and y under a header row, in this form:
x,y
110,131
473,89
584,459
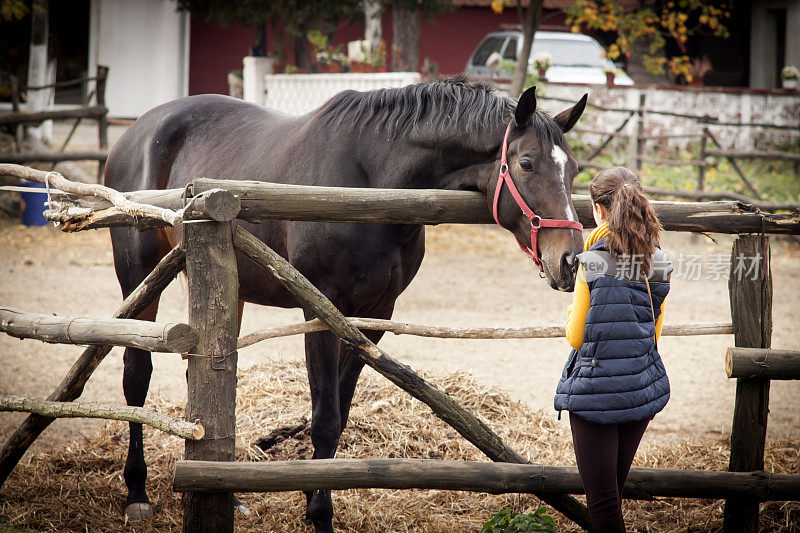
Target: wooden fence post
x,y
636,142
16,98
213,312
102,122
701,169
750,286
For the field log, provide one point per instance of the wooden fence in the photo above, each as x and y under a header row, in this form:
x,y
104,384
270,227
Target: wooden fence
x,y
38,152
636,139
212,279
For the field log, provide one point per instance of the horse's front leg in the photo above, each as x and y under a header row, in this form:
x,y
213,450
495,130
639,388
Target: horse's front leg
x,y
322,361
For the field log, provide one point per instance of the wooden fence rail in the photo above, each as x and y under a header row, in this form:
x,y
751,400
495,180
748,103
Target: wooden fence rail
x,y
73,383
443,332
96,112
495,478
107,411
54,157
462,420
762,363
743,154
150,336
261,200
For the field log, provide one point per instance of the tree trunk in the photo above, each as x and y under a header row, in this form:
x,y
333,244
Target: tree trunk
x,y
37,63
301,58
530,21
373,30
405,36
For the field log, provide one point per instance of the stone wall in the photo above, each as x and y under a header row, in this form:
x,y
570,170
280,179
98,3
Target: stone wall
x,y
735,106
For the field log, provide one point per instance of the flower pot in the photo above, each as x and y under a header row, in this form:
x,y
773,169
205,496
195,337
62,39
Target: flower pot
x,y
542,74
380,69
335,68
323,69
610,79
357,67
791,84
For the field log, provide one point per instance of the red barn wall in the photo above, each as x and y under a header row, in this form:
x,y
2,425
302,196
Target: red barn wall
x,y
449,40
214,51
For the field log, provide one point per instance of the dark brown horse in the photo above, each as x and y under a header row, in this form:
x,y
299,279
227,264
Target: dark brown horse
x,y
444,135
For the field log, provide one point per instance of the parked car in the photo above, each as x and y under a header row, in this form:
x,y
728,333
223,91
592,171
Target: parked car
x,y
576,58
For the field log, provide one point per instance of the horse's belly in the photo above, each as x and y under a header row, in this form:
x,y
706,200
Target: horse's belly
x,y
360,269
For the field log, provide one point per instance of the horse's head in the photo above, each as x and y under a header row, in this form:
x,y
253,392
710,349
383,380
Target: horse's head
x,y
541,167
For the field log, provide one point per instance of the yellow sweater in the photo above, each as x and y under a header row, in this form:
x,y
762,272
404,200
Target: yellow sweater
x,y
576,313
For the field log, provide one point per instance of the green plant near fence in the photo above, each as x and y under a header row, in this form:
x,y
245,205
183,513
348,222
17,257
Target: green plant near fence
x,y
510,521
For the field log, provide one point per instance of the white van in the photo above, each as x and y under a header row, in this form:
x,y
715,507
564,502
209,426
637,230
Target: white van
x,y
577,58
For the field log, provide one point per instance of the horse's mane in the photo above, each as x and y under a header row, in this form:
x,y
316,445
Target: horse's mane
x,y
434,110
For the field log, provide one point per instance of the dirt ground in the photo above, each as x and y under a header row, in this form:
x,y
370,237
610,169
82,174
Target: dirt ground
x,y
470,276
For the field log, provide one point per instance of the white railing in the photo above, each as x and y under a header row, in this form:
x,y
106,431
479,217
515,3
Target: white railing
x,y
297,94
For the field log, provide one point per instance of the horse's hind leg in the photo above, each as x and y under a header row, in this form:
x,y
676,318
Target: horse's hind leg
x,y
135,255
350,366
322,355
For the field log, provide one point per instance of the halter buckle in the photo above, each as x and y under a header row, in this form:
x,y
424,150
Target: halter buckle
x,y
536,221
503,169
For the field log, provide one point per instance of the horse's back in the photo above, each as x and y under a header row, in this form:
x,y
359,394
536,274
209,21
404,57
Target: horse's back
x,y
195,133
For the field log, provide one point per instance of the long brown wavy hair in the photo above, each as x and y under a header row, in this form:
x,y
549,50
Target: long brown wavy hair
x,y
632,222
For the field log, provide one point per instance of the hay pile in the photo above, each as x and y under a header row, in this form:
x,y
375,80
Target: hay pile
x,y
80,487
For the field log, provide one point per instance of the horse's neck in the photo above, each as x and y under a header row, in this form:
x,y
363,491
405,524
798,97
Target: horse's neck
x,y
444,163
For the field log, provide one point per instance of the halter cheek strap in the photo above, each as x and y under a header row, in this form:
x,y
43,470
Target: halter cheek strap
x,y
536,221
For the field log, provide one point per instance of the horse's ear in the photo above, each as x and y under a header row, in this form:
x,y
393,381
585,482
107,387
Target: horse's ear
x,y
526,107
567,118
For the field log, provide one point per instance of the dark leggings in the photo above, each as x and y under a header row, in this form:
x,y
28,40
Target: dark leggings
x,y
604,454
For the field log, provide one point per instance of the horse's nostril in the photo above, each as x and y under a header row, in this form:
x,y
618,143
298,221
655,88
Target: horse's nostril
x,y
569,259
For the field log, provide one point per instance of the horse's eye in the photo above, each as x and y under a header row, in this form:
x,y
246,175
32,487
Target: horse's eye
x,y
526,165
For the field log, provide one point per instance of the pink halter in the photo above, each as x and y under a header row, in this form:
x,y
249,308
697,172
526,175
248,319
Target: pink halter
x,y
536,221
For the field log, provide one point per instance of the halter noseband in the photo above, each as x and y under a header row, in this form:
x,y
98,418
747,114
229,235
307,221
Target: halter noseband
x,y
536,221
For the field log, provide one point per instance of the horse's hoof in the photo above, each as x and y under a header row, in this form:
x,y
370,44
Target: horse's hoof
x,y
138,511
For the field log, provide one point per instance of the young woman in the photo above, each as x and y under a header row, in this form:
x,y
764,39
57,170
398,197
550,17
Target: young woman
x,y
614,381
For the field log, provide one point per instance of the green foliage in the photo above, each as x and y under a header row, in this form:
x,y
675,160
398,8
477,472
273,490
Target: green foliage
x,y
509,521
658,23
13,9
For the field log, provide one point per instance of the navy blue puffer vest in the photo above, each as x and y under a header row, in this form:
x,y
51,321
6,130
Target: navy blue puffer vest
x,y
617,375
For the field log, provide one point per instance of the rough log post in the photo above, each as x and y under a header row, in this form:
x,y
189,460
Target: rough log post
x,y
635,142
701,169
72,385
213,312
468,425
102,121
750,286
495,478
19,131
764,363
150,336
107,411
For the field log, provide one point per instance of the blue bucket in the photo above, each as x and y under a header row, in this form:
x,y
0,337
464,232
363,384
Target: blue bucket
x,y
33,215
